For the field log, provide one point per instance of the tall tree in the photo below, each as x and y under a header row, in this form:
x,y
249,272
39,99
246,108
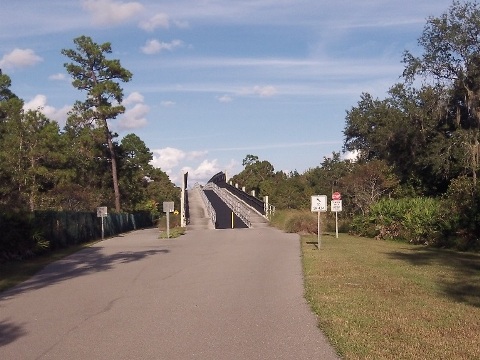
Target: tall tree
x,y
451,58
406,130
10,111
135,172
99,76
257,175
367,183
31,153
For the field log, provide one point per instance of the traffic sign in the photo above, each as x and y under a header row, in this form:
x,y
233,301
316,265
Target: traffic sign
x,y
102,211
336,196
319,203
168,206
336,205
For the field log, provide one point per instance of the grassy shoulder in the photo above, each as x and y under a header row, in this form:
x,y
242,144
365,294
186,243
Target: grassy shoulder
x,y
172,233
390,300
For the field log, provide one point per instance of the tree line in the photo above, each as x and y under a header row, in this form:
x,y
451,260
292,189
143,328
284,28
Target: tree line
x,y
83,165
416,173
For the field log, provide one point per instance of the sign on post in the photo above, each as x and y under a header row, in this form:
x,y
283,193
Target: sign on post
x,y
102,213
319,204
168,207
336,206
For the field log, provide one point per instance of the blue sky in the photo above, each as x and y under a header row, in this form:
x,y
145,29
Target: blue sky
x,y
215,80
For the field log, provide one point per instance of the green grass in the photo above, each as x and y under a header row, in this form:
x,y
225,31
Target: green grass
x,y
174,232
390,300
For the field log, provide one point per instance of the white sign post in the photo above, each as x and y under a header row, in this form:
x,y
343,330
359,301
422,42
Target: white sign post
x,y
168,208
336,205
102,213
319,204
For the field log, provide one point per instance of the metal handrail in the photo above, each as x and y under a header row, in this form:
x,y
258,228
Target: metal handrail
x,y
210,210
237,206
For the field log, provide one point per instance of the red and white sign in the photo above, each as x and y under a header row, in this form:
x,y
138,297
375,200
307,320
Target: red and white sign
x,y
336,196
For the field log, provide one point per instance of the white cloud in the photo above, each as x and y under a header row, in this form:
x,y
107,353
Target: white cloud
x,y
109,12
225,98
39,102
167,103
196,154
265,91
134,97
154,46
158,20
204,171
262,91
20,58
167,158
181,24
59,77
134,118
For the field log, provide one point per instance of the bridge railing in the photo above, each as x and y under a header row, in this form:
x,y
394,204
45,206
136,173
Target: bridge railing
x,y
237,206
210,210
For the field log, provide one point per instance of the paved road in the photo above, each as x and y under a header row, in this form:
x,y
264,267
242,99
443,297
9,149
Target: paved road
x,y
224,213
210,294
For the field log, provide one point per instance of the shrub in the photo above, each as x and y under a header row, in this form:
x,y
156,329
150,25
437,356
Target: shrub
x,y
19,238
416,220
302,222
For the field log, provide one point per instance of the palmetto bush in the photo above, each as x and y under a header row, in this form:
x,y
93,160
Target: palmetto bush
x,y
415,220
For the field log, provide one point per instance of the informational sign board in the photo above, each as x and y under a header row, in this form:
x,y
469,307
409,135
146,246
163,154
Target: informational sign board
x,y
102,211
168,206
336,205
319,203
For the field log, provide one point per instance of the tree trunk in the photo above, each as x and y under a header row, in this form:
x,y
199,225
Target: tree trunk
x,y
113,158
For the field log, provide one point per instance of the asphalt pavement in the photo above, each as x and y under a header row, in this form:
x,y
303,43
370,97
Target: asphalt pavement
x,y
209,294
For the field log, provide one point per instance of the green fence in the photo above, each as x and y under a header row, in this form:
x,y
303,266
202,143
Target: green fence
x,y
69,228
23,235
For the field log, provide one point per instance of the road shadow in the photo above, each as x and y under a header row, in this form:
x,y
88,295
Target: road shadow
x,y
9,332
465,267
84,262
87,261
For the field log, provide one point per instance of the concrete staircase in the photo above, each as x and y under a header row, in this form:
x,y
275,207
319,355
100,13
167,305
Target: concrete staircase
x,y
199,219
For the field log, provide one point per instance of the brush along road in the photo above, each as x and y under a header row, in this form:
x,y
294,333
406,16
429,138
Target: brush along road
x,y
209,294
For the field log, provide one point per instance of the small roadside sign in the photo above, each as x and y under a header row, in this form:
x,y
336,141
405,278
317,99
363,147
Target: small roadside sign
x,y
102,211
319,203
168,206
336,205
336,196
